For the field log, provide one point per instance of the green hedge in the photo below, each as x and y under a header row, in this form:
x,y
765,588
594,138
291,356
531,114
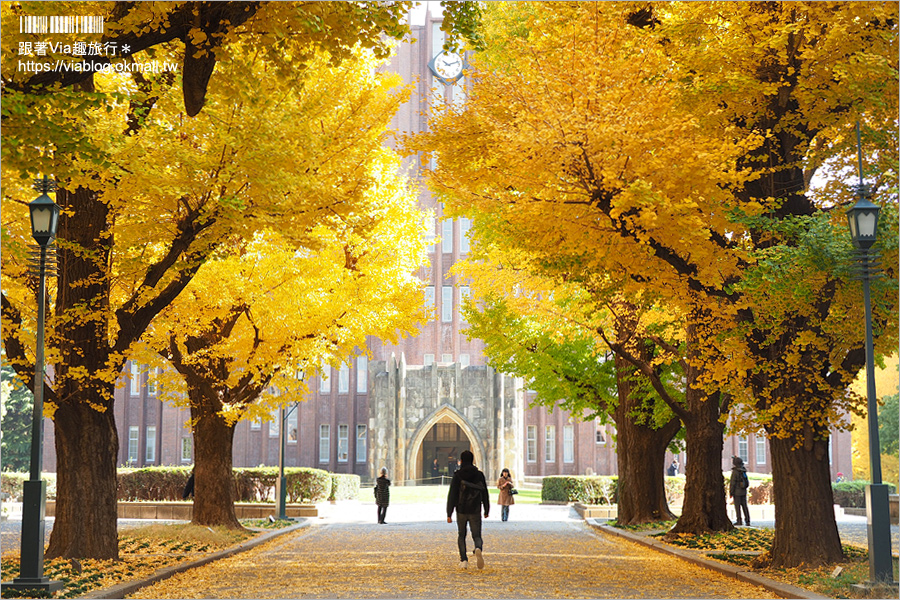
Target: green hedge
x,y
852,494
11,485
152,483
587,489
344,487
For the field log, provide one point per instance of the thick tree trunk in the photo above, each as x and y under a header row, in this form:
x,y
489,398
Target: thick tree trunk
x,y
87,444
86,450
704,507
805,528
213,478
641,453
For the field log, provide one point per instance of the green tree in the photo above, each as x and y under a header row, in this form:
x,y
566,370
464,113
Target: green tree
x,y
16,425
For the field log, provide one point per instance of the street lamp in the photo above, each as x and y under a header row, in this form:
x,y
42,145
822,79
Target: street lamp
x,y
863,221
44,219
282,481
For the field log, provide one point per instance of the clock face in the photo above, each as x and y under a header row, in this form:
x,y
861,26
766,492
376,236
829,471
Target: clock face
x,y
447,66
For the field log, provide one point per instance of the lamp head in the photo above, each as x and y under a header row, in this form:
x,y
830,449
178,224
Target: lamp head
x,y
44,219
863,220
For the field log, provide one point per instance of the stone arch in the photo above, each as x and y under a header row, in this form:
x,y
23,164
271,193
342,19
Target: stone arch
x,y
444,412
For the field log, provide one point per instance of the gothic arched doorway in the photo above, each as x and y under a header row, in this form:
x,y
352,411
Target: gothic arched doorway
x,y
440,450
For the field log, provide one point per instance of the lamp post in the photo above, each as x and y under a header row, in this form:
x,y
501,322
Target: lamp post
x,y
863,220
282,481
44,219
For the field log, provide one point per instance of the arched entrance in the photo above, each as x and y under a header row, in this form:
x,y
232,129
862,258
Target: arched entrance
x,y
443,437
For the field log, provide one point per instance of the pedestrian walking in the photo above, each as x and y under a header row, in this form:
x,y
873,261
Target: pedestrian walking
x,y
382,495
506,499
189,487
737,489
468,494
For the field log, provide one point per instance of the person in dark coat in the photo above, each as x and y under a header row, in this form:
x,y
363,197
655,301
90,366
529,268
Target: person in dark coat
x,y
382,495
737,489
468,494
188,488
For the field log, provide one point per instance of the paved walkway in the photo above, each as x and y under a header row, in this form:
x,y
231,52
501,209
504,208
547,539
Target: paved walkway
x,y
542,552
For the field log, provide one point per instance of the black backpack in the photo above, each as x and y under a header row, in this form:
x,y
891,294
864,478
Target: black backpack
x,y
469,497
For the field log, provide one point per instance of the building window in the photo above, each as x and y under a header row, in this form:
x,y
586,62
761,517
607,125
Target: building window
x,y
135,380
324,443
531,443
550,443
325,380
292,424
447,303
187,449
256,423
362,374
429,299
134,436
465,292
464,226
447,236
743,451
569,444
275,422
343,443
430,235
428,360
601,434
446,358
150,450
760,450
361,435
343,379
463,360
152,376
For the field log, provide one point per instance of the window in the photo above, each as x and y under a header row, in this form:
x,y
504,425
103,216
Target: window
x,y
465,293
150,450
531,443
151,381
324,443
187,449
464,226
430,235
428,360
362,374
760,449
256,423
135,381
274,423
447,303
742,449
343,379
446,358
447,236
361,435
550,443
463,360
429,298
569,444
325,380
292,436
601,434
343,443
134,436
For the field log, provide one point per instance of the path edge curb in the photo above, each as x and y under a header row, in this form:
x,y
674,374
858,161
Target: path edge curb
x,y
123,589
784,590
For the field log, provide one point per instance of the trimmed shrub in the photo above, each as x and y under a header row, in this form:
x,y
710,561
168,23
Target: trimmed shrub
x,y
587,489
761,491
852,494
344,486
674,488
11,485
152,483
308,485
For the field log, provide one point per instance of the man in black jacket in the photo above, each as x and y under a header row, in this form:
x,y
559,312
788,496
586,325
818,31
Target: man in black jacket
x,y
468,493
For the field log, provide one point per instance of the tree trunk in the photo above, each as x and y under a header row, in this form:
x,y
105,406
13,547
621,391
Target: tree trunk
x,y
805,527
87,444
641,454
214,489
704,507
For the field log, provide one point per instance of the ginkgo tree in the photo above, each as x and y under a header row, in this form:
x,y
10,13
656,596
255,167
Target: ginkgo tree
x,y
136,226
254,317
676,143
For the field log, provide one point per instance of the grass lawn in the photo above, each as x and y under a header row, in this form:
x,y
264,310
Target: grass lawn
x,y
437,494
